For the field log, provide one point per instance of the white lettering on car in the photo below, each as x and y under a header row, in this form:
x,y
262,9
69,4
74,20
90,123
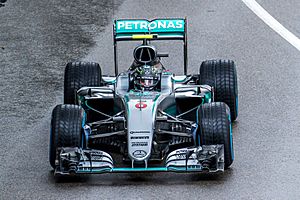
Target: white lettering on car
x,y
135,25
179,24
128,25
171,25
162,24
152,25
143,25
120,25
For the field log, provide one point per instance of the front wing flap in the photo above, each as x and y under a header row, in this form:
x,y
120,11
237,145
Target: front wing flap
x,y
208,158
72,160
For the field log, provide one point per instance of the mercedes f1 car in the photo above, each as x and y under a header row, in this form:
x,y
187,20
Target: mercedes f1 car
x,y
145,119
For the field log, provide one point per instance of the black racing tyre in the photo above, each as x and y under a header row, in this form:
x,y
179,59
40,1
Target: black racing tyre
x,y
77,75
222,75
214,127
66,129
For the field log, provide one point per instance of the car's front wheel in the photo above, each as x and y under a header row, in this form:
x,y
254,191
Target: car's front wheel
x,y
66,129
214,127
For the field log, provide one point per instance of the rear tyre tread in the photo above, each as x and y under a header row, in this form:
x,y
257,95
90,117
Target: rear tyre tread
x,y
222,75
80,74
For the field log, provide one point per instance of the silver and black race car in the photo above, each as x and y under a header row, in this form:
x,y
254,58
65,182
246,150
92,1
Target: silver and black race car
x,y
145,119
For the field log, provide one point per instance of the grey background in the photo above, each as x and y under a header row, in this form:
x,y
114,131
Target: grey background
x,y
40,37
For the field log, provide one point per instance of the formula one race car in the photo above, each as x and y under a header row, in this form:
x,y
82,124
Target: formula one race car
x,y
145,119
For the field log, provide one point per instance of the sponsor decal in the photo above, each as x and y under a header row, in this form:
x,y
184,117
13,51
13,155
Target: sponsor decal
x,y
97,155
133,132
145,26
180,151
139,137
180,156
139,153
139,144
141,105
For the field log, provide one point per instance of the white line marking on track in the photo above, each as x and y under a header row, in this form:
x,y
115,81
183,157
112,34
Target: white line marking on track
x,y
273,23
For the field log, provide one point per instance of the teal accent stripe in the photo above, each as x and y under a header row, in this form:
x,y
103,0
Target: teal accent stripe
x,y
83,135
197,136
151,169
155,101
231,143
237,105
83,119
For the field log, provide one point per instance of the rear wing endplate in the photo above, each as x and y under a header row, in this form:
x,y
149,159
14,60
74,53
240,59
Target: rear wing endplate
x,y
156,29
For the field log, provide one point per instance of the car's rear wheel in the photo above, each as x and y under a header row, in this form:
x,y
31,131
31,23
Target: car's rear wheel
x,y
77,75
66,128
214,127
222,75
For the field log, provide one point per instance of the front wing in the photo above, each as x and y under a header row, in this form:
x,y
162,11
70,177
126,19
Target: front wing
x,y
73,160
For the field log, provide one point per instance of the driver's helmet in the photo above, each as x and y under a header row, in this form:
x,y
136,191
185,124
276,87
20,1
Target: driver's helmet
x,y
146,77
147,70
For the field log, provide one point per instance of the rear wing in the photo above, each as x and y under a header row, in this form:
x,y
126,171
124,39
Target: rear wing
x,y
156,29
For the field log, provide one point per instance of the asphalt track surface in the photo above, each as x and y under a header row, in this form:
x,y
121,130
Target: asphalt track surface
x,y
38,38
